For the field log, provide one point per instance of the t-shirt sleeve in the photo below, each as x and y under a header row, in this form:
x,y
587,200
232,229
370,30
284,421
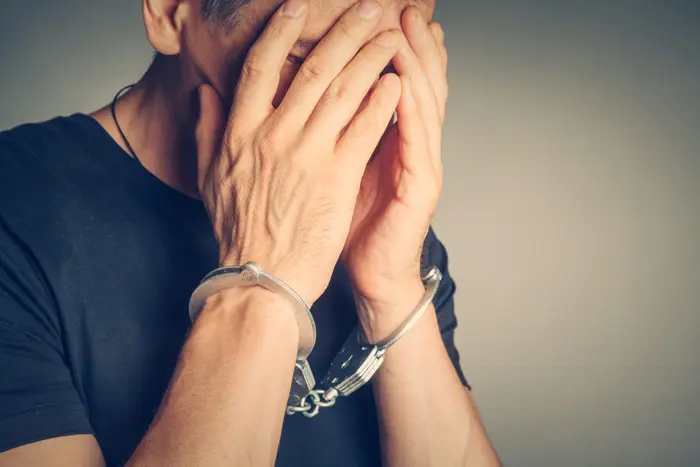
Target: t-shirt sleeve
x,y
38,399
434,254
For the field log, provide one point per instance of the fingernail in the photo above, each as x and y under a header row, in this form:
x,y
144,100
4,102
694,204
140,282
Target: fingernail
x,y
368,9
294,8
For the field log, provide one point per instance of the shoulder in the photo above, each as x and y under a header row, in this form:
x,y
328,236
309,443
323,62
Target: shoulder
x,y
32,134
47,171
40,135
57,158
34,152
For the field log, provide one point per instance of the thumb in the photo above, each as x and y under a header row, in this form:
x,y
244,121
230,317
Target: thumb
x,y
209,130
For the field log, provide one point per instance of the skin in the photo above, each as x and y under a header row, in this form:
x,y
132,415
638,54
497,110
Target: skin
x,y
286,141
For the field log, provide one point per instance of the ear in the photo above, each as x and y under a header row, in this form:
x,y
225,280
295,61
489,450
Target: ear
x,y
164,21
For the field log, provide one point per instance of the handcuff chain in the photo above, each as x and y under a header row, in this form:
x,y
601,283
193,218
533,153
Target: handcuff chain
x,y
355,363
310,408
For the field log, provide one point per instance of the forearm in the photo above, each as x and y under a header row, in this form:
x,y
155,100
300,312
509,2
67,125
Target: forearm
x,y
226,400
426,416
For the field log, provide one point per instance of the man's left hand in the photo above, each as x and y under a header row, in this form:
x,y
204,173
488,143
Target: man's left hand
x,y
401,186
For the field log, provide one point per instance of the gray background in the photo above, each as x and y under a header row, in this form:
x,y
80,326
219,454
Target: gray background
x,y
571,206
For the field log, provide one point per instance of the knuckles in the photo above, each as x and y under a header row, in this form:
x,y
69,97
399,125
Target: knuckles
x,y
345,28
337,92
251,69
311,71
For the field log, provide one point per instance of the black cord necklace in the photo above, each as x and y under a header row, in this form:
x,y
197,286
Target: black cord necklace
x,y
116,122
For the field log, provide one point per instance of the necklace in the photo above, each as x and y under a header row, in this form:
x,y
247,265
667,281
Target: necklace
x,y
116,122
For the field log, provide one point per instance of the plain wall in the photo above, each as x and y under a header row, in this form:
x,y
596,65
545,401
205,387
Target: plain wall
x,y
570,211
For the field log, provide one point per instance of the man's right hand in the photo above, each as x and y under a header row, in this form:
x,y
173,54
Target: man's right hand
x,y
280,184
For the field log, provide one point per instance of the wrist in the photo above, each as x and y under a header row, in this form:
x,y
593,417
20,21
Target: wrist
x,y
301,284
240,307
378,318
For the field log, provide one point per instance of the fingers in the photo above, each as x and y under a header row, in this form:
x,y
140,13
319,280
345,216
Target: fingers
x,y
346,93
363,134
407,64
209,130
412,131
443,87
327,60
439,35
260,74
422,41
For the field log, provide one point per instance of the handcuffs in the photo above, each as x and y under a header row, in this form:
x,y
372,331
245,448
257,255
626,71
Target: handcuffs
x,y
355,363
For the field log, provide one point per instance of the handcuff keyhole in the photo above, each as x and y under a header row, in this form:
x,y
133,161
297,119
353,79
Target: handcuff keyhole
x,y
346,362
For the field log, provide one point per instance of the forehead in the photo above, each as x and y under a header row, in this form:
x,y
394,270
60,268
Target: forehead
x,y
335,8
323,14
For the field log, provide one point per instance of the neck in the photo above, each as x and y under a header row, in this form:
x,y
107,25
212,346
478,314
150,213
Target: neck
x,y
158,117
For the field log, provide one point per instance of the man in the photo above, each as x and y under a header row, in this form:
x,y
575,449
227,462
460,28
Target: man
x,y
109,221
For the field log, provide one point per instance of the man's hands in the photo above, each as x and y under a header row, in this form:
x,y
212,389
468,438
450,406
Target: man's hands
x,y
281,185
291,188
401,186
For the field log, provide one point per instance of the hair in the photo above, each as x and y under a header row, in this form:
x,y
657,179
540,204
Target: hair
x,y
223,12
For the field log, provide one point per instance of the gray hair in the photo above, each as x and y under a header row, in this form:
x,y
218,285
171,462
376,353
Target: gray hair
x,y
223,12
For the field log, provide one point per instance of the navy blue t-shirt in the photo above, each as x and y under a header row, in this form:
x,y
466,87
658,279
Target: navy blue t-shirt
x,y
98,259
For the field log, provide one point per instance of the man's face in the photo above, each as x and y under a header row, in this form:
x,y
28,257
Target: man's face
x,y
216,56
